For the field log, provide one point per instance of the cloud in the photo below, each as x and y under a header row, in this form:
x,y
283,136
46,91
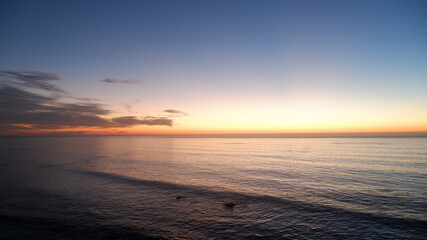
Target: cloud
x,y
87,99
20,107
114,81
32,79
25,111
31,75
132,120
175,113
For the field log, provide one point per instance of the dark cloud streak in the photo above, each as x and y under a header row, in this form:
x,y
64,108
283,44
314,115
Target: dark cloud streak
x,y
115,81
33,79
22,110
175,113
132,120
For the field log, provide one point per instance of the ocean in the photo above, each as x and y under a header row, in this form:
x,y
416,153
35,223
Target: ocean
x,y
142,187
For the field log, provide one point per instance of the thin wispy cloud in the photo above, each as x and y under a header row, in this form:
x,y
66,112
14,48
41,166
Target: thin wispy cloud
x,y
175,113
22,110
32,79
129,106
31,75
120,81
127,121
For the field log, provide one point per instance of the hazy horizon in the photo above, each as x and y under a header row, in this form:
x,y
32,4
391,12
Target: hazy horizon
x,y
246,135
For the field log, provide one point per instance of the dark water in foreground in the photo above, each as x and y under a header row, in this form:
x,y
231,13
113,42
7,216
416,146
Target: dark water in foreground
x,y
283,188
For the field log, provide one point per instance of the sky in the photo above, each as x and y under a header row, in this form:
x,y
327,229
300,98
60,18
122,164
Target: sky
x,y
212,67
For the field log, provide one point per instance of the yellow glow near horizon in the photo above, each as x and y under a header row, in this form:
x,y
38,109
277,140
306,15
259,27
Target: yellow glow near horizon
x,y
302,116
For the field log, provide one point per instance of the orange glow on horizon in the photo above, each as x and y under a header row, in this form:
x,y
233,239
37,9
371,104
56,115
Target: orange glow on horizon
x,y
179,131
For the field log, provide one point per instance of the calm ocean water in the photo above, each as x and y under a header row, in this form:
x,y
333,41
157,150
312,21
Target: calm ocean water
x,y
282,188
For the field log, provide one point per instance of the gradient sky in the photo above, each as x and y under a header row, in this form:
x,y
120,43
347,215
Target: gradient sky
x,y
222,66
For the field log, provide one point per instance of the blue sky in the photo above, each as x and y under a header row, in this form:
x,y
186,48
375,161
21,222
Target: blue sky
x,y
227,52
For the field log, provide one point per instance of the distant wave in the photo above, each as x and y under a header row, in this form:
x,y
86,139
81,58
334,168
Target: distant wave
x,y
245,198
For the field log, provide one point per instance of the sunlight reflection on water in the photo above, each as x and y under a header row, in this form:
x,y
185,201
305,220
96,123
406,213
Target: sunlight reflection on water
x,y
324,188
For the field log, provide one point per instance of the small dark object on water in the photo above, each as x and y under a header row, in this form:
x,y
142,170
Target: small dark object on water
x,y
179,197
229,205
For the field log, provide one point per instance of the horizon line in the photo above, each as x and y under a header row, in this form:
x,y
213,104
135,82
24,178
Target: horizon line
x,y
246,135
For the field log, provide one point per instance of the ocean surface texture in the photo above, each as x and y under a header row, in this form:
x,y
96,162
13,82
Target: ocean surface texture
x,y
182,188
